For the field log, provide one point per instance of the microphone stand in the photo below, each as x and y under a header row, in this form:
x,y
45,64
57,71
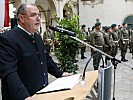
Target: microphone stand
x,y
114,61
115,66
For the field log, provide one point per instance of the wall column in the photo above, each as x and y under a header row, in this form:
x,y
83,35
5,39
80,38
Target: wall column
x,y
59,9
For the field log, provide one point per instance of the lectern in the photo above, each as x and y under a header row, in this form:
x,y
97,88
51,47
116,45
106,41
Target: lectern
x,y
79,92
105,82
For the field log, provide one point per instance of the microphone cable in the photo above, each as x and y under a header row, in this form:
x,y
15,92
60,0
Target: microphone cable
x,y
83,77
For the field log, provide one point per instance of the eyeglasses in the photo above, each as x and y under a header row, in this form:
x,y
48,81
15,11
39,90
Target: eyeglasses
x,y
34,15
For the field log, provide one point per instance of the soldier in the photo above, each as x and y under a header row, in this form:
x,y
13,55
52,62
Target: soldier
x,y
88,34
48,34
97,41
108,42
47,38
131,39
115,40
89,37
83,37
124,39
119,33
103,28
88,31
93,28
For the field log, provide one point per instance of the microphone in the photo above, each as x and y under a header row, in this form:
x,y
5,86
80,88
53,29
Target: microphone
x,y
61,30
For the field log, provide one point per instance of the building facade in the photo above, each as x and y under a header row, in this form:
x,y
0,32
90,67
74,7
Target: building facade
x,y
50,9
107,11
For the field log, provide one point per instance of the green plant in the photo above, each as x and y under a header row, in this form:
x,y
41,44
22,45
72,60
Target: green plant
x,y
68,49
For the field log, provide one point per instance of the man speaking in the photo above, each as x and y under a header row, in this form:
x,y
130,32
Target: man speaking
x,y
24,61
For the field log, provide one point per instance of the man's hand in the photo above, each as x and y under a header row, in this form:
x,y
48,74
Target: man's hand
x,y
66,74
29,98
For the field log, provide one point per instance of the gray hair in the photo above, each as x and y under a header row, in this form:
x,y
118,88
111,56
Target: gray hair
x,y
22,8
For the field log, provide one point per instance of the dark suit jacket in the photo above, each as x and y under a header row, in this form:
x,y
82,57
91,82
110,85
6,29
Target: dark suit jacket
x,y
24,63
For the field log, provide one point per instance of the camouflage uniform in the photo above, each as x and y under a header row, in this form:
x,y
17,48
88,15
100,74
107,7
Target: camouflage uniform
x,y
108,42
96,40
124,42
83,37
119,33
47,39
131,39
115,43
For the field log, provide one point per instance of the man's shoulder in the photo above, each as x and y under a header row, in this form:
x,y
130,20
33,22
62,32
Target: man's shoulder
x,y
114,32
8,36
94,32
106,34
123,30
10,32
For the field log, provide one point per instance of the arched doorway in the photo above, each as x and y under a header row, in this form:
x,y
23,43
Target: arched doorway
x,y
67,11
16,3
129,20
13,5
48,11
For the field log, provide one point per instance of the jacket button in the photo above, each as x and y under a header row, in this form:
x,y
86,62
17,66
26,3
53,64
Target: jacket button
x,y
44,51
41,63
33,41
44,85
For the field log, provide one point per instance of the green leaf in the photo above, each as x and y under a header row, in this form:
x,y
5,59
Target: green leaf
x,y
69,48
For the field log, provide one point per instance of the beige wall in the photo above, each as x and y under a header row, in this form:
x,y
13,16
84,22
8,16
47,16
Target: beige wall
x,y
111,11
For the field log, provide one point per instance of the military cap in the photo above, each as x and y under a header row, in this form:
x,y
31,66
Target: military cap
x,y
97,24
113,25
124,23
107,28
103,27
132,25
83,25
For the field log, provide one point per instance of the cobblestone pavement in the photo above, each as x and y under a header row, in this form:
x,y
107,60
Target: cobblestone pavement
x,y
124,76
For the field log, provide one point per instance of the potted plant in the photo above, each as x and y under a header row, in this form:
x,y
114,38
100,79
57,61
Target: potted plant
x,y
68,49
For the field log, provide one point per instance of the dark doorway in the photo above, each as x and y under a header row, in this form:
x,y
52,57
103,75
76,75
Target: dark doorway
x,y
129,20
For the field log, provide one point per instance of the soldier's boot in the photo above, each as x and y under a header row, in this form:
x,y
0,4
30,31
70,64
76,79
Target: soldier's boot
x,y
82,54
95,68
123,59
130,50
106,61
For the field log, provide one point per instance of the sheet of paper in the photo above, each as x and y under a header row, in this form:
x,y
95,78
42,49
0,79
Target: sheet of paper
x,y
63,83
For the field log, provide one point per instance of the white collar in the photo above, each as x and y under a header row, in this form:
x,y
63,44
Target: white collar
x,y
25,30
